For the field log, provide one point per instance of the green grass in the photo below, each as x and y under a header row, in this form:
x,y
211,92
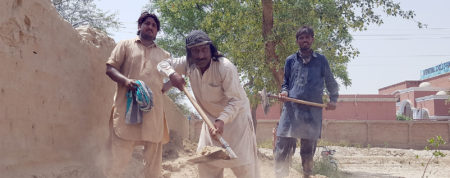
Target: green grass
x,y
322,167
266,144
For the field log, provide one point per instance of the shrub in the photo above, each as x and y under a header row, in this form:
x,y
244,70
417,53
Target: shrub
x,y
403,118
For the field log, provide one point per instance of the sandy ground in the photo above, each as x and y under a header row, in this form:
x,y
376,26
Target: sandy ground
x,y
352,162
388,162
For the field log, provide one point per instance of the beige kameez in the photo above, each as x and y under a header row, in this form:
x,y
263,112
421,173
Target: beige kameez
x,y
219,92
136,61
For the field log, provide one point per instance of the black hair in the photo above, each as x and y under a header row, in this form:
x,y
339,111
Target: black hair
x,y
144,16
304,30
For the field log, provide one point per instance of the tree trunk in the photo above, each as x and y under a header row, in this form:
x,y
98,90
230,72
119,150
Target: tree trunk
x,y
270,44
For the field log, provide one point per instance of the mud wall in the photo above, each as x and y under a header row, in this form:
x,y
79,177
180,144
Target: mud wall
x,y
55,98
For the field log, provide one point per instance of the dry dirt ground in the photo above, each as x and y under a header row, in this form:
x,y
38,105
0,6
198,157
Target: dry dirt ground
x,y
389,162
352,162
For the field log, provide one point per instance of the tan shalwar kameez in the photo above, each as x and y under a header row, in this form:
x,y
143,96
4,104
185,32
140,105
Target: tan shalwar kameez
x,y
219,92
136,61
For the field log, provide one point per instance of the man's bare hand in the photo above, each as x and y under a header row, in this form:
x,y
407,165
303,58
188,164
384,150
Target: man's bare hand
x,y
131,84
166,87
218,124
283,95
177,81
331,106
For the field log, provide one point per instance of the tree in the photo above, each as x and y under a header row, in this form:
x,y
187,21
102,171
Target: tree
x,y
258,35
85,12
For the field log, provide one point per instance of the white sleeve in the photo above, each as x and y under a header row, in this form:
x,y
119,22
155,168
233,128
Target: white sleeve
x,y
172,65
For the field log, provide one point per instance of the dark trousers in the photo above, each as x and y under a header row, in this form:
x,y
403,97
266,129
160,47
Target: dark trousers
x,y
285,148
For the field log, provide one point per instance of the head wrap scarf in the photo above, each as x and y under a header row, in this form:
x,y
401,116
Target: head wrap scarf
x,y
198,38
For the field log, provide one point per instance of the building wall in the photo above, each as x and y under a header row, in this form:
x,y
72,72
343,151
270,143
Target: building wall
x,y
436,107
273,113
441,81
419,94
409,91
442,107
413,94
363,107
429,105
389,90
381,133
407,96
397,134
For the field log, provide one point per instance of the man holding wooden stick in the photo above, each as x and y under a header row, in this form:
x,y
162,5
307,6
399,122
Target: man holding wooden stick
x,y
217,89
305,74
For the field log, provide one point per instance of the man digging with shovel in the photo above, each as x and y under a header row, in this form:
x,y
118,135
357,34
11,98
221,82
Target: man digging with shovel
x,y
218,92
305,74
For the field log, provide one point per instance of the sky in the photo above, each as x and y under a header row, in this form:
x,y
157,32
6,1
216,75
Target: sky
x,y
390,53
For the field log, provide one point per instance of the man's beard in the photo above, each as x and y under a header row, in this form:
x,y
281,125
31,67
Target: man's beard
x,y
306,48
147,37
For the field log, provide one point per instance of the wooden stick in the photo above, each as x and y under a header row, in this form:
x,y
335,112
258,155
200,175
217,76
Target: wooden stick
x,y
209,123
298,101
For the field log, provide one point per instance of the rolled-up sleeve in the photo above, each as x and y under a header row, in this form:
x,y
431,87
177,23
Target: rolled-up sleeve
x,y
118,55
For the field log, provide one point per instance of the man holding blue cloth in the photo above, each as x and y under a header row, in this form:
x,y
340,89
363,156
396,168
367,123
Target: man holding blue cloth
x,y
132,65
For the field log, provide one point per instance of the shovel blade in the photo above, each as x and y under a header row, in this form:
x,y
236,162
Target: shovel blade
x,y
210,153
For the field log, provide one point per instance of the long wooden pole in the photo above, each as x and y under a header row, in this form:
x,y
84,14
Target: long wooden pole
x,y
299,101
210,124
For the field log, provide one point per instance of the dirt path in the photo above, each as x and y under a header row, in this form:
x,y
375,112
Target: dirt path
x,y
352,163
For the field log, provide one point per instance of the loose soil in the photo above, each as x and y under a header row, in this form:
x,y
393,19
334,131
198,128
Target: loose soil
x,y
352,162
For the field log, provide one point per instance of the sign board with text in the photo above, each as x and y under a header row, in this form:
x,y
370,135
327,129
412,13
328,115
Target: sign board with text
x,y
435,71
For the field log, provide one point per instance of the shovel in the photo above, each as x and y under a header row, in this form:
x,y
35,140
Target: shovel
x,y
216,153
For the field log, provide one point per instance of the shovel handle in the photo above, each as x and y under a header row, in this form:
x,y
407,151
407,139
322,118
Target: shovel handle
x,y
210,124
299,101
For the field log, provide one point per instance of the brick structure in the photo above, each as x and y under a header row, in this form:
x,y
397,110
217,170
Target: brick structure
x,y
363,107
422,99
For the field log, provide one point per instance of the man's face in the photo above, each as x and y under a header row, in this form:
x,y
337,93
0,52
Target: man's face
x,y
305,41
201,55
148,29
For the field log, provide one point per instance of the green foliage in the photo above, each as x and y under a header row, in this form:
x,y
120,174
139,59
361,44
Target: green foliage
x,y
236,29
327,168
322,166
402,117
433,145
266,144
85,12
